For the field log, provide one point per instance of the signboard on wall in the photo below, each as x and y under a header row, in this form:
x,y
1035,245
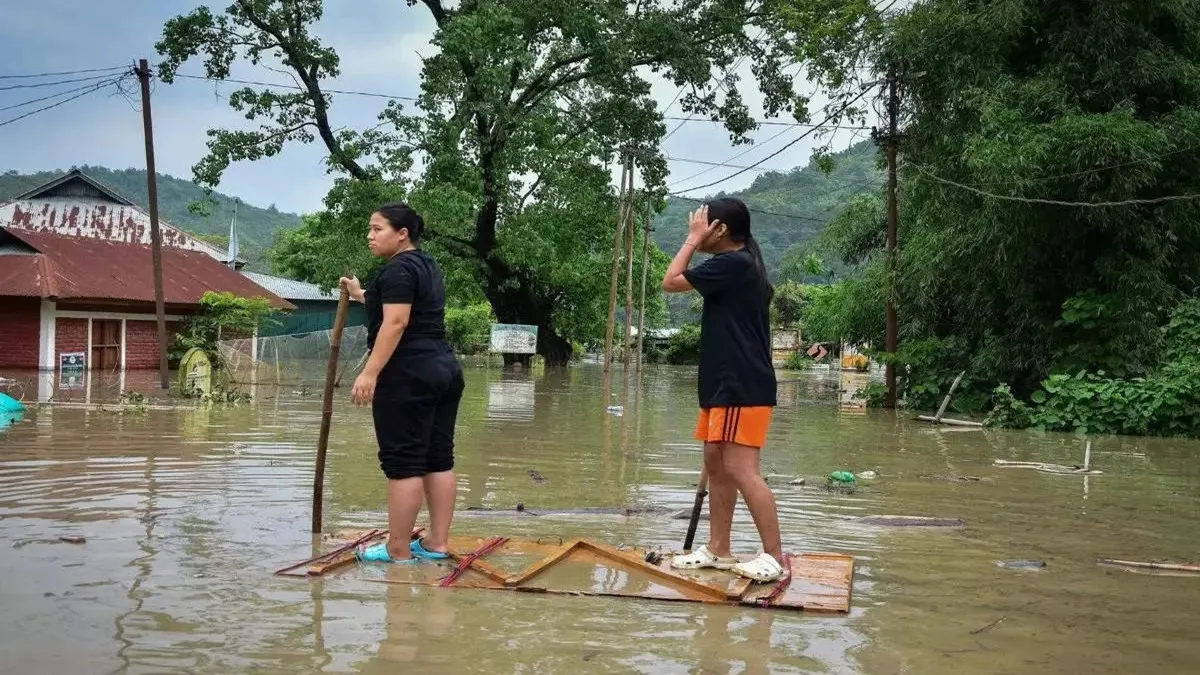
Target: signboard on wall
x,y
68,361
71,366
510,338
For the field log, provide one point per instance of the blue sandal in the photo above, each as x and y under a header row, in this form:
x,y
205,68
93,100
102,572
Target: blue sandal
x,y
379,553
419,551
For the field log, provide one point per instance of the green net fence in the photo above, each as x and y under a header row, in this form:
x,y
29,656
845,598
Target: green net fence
x,y
293,360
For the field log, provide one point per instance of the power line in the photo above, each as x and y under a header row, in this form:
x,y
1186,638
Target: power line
x,y
790,144
1056,202
37,85
56,104
793,216
756,168
722,164
743,153
773,123
46,98
761,123
64,72
278,85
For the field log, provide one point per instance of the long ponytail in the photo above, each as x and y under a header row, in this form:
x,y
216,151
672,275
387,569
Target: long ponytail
x,y
736,217
760,266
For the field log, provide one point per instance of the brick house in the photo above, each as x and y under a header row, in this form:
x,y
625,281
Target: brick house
x,y
76,277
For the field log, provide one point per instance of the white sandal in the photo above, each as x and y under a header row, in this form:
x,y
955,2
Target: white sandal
x,y
702,558
763,569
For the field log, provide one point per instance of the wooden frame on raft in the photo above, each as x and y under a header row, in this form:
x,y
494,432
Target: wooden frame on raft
x,y
813,582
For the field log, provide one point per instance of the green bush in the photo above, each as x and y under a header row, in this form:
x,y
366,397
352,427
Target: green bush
x,y
468,329
1163,403
222,314
797,360
684,347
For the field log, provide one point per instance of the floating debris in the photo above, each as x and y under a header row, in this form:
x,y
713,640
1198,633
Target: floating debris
x,y
686,514
867,475
1021,564
911,521
997,622
1046,467
73,540
522,509
537,477
1152,567
955,479
797,481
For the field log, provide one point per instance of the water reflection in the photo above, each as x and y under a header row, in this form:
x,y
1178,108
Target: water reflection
x,y
187,512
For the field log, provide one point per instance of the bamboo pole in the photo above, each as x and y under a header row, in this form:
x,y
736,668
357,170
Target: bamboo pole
x,y
946,401
630,220
642,300
610,328
335,344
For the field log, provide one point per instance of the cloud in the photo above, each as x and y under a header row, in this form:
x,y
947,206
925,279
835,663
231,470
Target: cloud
x,y
379,43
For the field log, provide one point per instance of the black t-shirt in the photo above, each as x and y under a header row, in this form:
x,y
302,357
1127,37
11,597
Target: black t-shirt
x,y
411,277
735,333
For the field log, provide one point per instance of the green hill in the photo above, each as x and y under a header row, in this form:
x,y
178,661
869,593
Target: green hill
x,y
787,209
256,227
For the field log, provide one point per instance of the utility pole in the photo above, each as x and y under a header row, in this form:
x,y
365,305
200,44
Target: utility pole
x,y
645,273
630,224
893,140
142,70
626,184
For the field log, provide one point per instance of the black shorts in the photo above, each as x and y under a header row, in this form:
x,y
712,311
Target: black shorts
x,y
415,409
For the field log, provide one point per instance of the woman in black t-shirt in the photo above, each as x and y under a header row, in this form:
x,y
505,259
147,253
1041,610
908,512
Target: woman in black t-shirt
x,y
413,383
736,381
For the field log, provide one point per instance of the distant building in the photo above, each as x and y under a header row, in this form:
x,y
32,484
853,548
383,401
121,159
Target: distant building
x,y
76,278
315,309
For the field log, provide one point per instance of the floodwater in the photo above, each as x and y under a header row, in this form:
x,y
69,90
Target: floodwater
x,y
187,512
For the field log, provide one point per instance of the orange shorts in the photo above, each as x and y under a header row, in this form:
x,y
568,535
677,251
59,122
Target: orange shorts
x,y
744,426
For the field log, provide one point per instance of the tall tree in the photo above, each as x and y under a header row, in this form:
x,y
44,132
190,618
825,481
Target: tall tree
x,y
1047,146
521,112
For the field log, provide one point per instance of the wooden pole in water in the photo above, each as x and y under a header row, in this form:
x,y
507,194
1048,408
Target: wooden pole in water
x,y
164,376
642,299
626,179
893,246
694,522
630,220
335,345
946,401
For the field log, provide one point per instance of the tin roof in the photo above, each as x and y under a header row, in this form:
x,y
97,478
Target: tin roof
x,y
289,289
77,205
78,268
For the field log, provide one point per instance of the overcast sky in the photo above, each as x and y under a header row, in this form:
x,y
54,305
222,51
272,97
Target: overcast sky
x,y
378,42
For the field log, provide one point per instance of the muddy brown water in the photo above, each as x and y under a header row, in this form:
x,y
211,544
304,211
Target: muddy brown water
x,y
186,513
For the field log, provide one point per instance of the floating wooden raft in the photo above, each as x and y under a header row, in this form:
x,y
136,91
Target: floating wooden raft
x,y
819,582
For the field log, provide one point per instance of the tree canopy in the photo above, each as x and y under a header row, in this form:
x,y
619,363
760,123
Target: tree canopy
x,y
521,113
1048,174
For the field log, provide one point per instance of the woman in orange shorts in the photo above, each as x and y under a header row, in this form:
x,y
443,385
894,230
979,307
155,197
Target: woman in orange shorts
x,y
736,381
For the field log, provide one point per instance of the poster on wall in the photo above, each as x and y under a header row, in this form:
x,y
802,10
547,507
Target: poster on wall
x,y
514,338
71,366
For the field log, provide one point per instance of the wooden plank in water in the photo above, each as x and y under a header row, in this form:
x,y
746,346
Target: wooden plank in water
x,y
662,573
323,567
1160,566
821,582
543,564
